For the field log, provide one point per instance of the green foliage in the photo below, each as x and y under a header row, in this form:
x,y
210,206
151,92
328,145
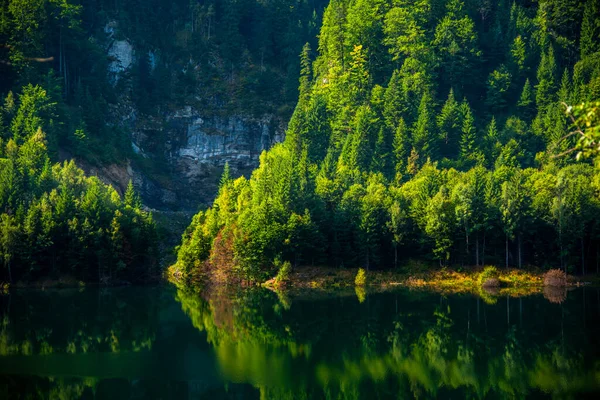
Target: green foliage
x,y
586,121
241,53
55,221
488,273
449,150
361,277
283,274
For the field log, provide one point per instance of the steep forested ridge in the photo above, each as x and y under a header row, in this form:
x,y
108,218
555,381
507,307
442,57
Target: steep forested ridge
x,y
221,55
432,129
63,86
55,221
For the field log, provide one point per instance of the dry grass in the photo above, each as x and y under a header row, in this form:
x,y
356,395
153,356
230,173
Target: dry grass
x,y
555,278
491,283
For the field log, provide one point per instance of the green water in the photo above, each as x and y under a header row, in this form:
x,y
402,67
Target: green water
x,y
163,343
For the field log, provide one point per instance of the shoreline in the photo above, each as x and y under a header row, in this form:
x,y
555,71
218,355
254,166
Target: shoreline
x,y
509,282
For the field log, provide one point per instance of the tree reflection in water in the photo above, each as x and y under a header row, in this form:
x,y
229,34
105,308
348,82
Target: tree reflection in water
x,y
163,343
349,347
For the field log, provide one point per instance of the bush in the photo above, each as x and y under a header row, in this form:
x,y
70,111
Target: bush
x,y
283,275
489,277
556,278
361,277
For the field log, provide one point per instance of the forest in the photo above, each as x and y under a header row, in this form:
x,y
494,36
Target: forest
x,y
59,97
455,132
54,220
223,54
458,133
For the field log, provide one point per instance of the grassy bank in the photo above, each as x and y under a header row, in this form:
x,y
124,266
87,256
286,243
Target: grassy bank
x,y
483,281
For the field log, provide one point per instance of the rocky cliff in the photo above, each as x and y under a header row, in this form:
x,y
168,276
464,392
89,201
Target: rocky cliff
x,y
180,151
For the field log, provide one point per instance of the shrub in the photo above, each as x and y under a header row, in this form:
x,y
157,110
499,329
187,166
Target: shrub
x,y
283,275
489,277
361,277
556,278
491,283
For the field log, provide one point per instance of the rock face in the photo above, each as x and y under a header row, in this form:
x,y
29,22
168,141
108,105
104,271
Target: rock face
x,y
181,153
121,56
217,140
120,52
196,150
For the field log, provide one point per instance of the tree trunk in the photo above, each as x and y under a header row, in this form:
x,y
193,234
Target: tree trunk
x,y
467,236
60,51
562,265
477,252
582,257
395,256
507,251
519,248
9,273
483,251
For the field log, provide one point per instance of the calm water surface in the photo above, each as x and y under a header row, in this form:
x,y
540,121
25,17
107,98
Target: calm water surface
x,y
164,343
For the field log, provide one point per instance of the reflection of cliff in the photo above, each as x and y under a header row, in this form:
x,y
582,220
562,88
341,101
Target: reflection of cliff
x,y
392,345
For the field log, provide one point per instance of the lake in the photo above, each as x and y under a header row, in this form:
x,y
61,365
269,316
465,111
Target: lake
x,y
167,343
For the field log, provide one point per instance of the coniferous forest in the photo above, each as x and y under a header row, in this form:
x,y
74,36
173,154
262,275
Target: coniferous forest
x,y
433,130
344,199
458,133
58,100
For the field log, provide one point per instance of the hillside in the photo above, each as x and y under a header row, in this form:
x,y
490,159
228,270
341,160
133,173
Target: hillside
x,y
160,92
434,130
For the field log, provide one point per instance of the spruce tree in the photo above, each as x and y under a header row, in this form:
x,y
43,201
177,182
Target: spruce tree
x,y
546,74
424,134
468,134
402,147
448,123
526,103
131,197
589,41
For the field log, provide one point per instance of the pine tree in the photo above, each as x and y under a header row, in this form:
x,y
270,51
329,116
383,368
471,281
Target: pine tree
x,y
363,139
455,41
412,164
131,198
394,104
331,37
404,30
383,156
440,225
565,91
424,135
401,146
359,75
589,41
546,80
225,176
492,141
449,126
305,73
468,136
526,103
